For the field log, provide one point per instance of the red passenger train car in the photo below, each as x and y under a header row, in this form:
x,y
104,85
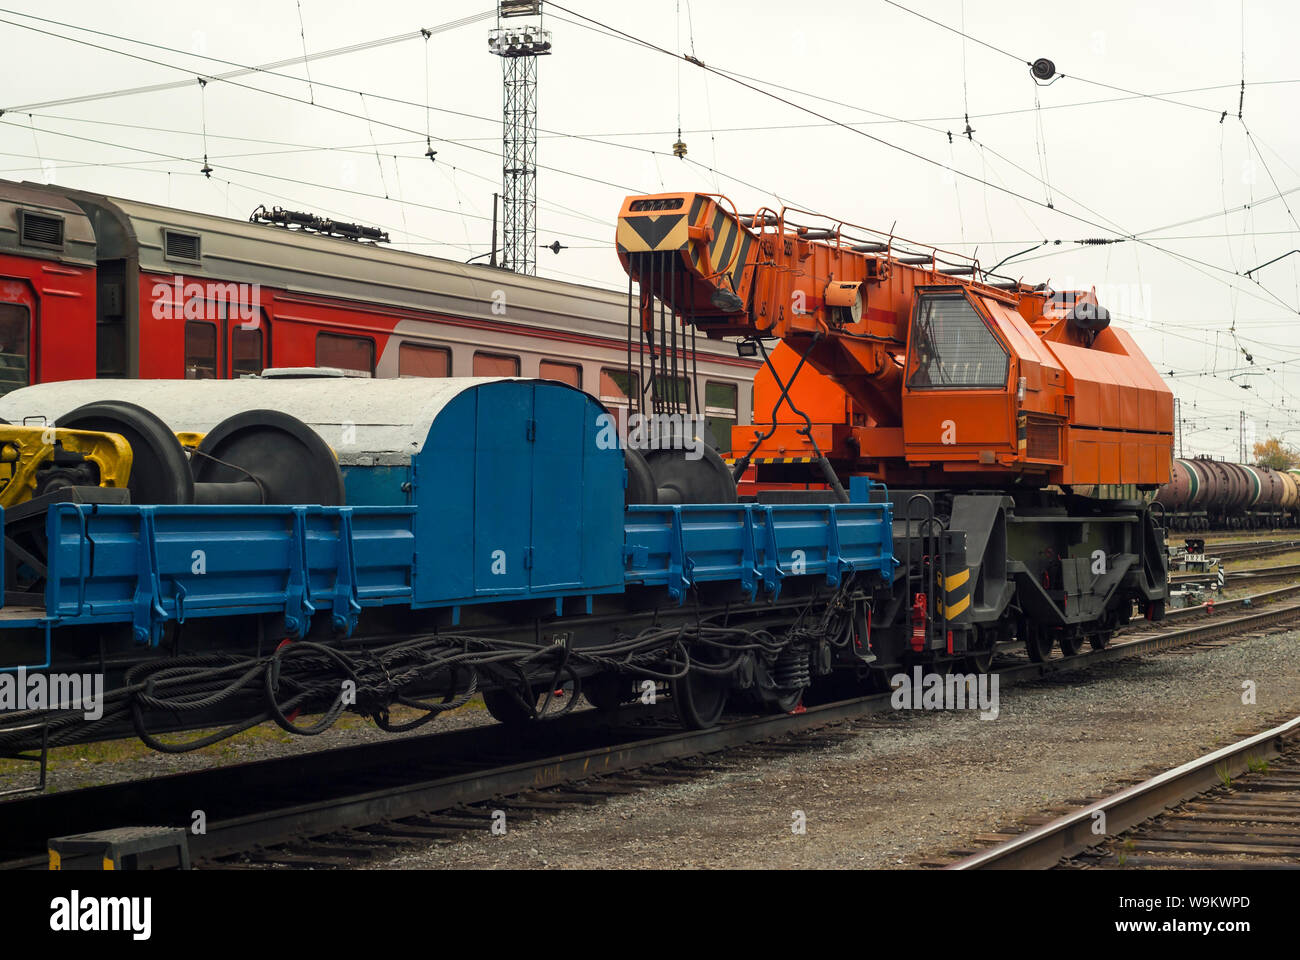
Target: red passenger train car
x,y
95,286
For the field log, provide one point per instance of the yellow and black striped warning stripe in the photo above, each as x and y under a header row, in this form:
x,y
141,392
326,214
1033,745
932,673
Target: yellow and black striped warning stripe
x,y
770,460
957,598
726,233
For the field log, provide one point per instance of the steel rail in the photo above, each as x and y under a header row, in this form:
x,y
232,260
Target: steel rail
x,y
1214,606
1071,834
280,823
1239,577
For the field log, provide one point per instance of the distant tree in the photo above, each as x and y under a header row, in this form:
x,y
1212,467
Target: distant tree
x,y
1272,453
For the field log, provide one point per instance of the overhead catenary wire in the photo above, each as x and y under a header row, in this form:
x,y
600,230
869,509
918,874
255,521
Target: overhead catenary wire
x,y
734,77
242,70
294,180
1019,59
1206,265
1211,266
289,97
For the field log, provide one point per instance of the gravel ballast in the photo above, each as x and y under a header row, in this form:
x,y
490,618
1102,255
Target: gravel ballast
x,y
926,783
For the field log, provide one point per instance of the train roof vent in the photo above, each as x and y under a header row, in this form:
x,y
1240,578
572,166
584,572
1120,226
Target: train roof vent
x,y
40,230
180,246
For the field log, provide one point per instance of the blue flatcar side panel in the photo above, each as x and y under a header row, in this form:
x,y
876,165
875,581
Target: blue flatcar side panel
x,y
383,551
149,564
758,545
106,561
796,539
352,557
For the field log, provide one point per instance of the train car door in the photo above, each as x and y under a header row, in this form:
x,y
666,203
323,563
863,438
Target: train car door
x,y
17,311
248,344
226,344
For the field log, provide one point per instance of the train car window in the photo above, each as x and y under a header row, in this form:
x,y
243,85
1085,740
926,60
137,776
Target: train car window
x,y
15,322
246,351
720,406
952,348
672,390
414,360
200,350
569,373
495,365
617,387
614,386
346,353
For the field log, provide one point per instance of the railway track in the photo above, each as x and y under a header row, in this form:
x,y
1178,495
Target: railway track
x,y
340,807
1234,808
1251,549
1237,603
1288,571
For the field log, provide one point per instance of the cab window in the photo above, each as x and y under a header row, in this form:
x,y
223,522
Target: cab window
x,y
952,347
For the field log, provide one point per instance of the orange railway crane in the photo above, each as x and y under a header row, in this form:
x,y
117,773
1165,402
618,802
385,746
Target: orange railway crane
x,y
949,379
914,367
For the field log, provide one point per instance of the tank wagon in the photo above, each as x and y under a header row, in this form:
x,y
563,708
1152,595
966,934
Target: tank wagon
x,y
228,552
1208,494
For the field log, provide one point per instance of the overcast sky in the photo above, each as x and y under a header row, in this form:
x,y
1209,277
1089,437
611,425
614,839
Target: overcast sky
x,y
1110,158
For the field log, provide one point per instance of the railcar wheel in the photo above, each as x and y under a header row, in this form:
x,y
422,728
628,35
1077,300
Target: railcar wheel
x,y
699,700
160,472
790,703
265,456
507,708
981,660
1038,642
640,481
880,679
1071,641
607,691
1100,639
681,480
699,697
